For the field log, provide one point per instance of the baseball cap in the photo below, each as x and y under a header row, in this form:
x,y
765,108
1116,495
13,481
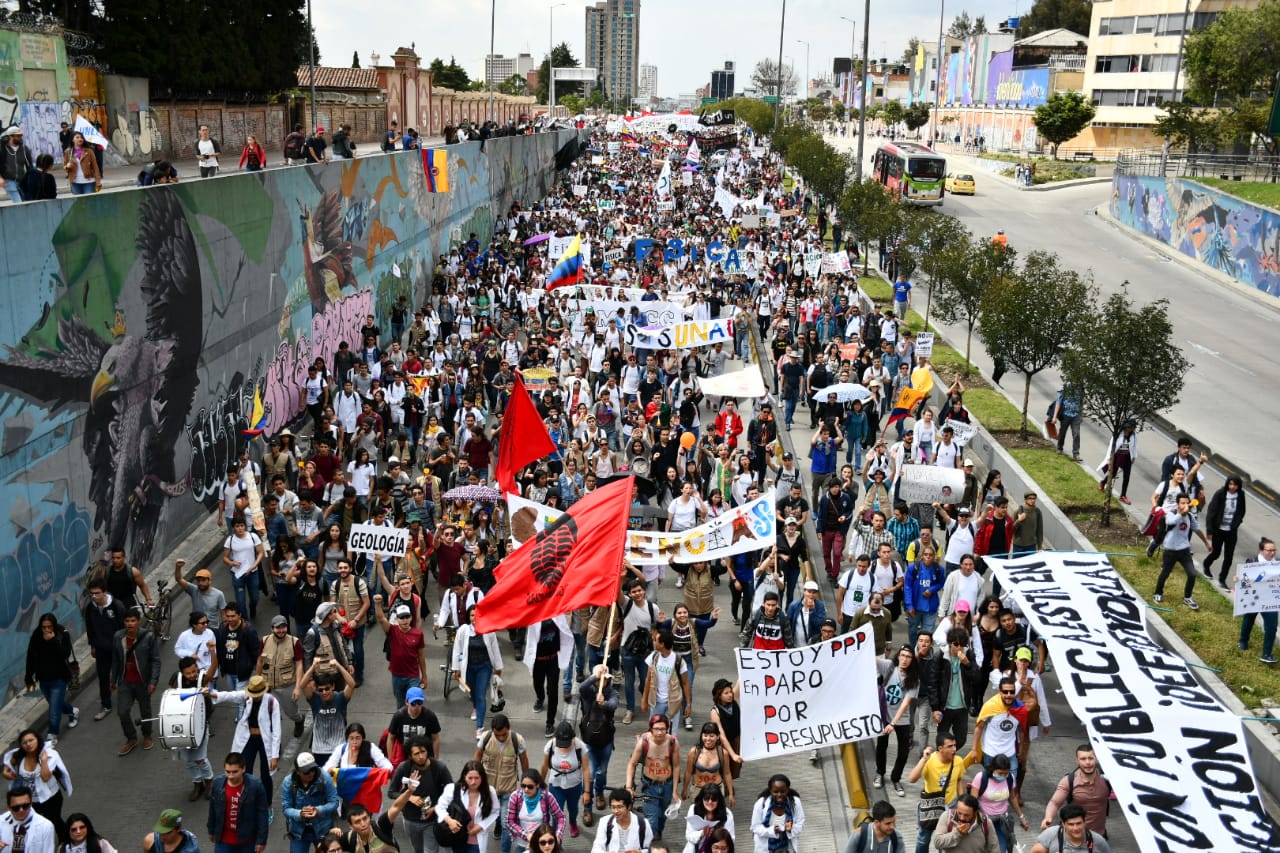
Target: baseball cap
x,y
788,455
204,573
403,612
813,585
964,510
323,611
320,129
968,463
278,620
962,606
171,819
1023,653
306,761
414,694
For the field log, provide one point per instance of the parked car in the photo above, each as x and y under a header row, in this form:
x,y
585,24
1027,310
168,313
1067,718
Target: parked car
x,y
961,183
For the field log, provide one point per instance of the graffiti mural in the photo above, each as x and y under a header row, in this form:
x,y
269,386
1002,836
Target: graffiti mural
x,y
137,326
1226,233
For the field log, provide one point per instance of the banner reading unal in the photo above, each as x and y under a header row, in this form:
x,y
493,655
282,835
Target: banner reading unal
x,y
750,527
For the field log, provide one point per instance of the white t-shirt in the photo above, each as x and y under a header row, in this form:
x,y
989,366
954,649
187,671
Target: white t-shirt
x,y
205,146
565,767
243,551
886,576
947,452
857,591
664,668
684,514
959,541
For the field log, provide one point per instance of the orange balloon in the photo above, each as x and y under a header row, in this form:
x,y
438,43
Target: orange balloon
x,y
687,440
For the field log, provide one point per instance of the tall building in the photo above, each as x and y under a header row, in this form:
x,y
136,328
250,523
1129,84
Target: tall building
x,y
613,48
648,89
722,82
1133,54
498,68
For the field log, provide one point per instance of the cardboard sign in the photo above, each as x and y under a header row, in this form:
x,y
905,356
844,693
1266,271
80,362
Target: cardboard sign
x,y
606,204
580,190
751,220
666,205
929,483
614,255
962,433
375,539
686,179
1257,588
924,345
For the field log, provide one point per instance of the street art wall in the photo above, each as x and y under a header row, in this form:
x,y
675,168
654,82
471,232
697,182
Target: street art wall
x,y
137,328
1219,230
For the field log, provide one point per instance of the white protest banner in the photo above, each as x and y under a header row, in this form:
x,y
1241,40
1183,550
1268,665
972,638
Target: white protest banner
x,y
751,527
924,344
614,255
666,205
557,246
751,220
606,204
650,313
614,147
835,262
1176,757
528,518
741,383
378,539
690,335
961,432
686,179
1257,588
929,483
812,263
773,220
796,700
597,160
579,190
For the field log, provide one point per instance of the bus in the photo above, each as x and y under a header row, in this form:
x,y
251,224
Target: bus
x,y
913,172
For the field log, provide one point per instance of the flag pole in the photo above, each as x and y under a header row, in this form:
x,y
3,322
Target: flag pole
x,y
608,641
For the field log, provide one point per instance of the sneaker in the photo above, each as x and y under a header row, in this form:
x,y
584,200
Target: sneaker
x,y
1208,572
899,790
297,729
568,693
479,733
688,724
538,706
1267,659
51,741
1124,499
1191,603
128,747
1158,598
573,830
102,714
147,742
878,782
627,717
549,731
75,718
473,715
271,816
601,805
1151,548
680,583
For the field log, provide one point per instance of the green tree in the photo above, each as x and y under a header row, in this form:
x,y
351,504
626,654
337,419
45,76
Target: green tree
x,y
1030,316
452,76
960,293
837,111
1126,366
573,103
942,245
909,53
823,168
355,59
1073,15
1184,123
916,115
756,113
1231,65
870,212
788,135
596,99
564,59
1063,116
514,85
894,113
962,26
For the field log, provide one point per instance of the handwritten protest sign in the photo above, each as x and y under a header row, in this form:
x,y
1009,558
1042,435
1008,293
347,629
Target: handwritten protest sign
x,y
1175,755
961,432
812,263
835,262
606,204
924,345
579,190
690,335
1257,588
929,483
614,255
751,527
666,205
795,700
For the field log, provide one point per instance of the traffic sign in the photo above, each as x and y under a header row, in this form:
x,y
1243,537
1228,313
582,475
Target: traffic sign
x,y
706,102
771,99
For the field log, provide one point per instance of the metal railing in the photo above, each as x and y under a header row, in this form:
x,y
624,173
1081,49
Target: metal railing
x,y
1228,167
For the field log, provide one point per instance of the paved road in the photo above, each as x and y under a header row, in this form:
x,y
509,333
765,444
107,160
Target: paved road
x,y
1224,401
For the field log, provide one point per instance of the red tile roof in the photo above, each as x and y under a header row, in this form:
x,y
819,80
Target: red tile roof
x,y
339,78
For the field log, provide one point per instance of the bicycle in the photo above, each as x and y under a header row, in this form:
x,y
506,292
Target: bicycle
x,y
449,681
158,618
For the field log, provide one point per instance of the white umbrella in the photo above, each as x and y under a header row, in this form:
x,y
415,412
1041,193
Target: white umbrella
x,y
846,392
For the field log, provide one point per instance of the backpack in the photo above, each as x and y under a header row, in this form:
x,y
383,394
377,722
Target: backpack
x,y
608,831
1071,793
253,160
640,641
597,726
1088,838
351,841
862,845
293,146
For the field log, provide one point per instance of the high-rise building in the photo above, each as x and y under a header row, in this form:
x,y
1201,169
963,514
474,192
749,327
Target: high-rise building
x,y
648,89
722,82
613,48
498,68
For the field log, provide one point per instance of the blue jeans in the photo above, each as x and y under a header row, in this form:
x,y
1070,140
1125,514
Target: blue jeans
x,y
478,678
853,452
503,801
577,662
220,847
56,691
82,189
922,621
568,799
658,797
197,761
1269,621
600,756
357,643
790,410
247,583
631,667
665,708
400,685
923,837
11,187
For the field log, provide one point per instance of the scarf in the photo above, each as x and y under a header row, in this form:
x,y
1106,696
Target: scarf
x,y
778,842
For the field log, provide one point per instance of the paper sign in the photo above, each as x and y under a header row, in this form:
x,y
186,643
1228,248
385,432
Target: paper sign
x,y
741,383
686,179
924,344
751,220
379,540
929,483
962,433
1257,588
557,246
597,160
797,700
666,205
690,335
579,190
835,262
812,263
606,204
614,255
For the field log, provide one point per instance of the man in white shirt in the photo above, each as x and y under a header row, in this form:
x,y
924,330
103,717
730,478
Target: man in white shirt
x,y
622,831
243,552
22,829
947,453
853,591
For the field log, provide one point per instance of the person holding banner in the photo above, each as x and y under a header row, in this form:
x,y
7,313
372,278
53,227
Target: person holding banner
x,y
1266,554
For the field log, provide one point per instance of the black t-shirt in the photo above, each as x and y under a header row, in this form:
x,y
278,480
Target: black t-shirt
x,y
403,727
548,647
792,373
1010,643
799,505
431,783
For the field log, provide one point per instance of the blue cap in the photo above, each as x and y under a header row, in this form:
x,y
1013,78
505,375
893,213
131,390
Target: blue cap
x,y
414,694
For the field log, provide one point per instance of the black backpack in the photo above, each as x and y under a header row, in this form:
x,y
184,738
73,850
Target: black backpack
x,y
640,641
608,831
293,146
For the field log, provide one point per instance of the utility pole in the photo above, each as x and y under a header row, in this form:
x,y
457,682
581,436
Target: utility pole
x,y
551,48
862,82
311,48
777,107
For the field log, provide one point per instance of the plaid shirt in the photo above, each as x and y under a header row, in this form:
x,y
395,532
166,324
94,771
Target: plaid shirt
x,y
871,540
904,533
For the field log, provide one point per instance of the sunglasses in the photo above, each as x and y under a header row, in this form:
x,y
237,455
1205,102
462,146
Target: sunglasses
x,y
19,807
530,787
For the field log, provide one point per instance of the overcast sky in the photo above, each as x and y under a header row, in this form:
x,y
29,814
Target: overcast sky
x,y
685,39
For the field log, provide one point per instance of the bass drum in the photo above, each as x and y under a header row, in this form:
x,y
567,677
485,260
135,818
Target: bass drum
x,y
182,719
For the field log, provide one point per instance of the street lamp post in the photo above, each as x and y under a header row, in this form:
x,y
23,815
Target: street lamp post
x,y
862,83
493,23
551,46
311,63
777,106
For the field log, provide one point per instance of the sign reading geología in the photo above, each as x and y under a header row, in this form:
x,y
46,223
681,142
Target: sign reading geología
x,y
814,696
377,539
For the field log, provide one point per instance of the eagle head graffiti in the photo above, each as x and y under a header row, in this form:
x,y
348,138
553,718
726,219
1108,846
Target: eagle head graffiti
x,y
136,389
551,550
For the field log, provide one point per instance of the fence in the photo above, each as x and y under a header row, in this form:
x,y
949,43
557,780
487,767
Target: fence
x,y
1228,167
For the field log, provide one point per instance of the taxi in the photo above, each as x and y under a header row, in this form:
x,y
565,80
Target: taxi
x,y
961,183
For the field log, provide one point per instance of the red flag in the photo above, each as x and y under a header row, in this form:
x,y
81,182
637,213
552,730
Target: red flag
x,y
523,438
576,561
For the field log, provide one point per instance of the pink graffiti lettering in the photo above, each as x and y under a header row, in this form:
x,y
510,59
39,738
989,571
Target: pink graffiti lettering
x,y
341,321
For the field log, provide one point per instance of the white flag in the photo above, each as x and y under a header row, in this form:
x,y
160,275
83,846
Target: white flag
x,y
662,188
90,133
693,155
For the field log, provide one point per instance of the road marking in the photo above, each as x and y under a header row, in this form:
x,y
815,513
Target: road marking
x,y
1215,354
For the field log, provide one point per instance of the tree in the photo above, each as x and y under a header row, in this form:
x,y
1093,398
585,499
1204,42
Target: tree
x,y
909,54
1073,15
1231,65
452,76
837,110
960,295
788,135
756,113
564,59
823,168
1063,116
1184,123
1029,317
916,115
869,210
355,59
894,113
943,248
961,27
573,103
765,78
514,85
1126,366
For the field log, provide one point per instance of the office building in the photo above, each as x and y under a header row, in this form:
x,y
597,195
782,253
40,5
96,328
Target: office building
x,y
613,48
648,89
722,82
498,68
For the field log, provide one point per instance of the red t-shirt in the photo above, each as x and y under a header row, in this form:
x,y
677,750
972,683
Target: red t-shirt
x,y
132,674
231,822
404,651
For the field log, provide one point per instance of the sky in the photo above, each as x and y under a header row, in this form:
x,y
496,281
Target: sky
x,y
685,39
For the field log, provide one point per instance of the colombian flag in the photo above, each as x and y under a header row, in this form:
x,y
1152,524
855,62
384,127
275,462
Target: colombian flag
x,y
569,270
435,165
362,785
628,136
908,399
